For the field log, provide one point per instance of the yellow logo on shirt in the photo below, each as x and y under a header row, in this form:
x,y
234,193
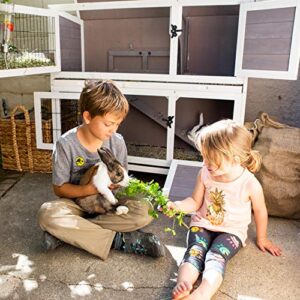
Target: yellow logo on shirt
x,y
79,161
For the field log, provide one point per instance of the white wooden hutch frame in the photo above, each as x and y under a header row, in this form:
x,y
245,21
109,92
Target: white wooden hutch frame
x,y
67,85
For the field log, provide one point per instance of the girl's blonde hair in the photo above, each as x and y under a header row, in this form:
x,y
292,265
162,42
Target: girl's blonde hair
x,y
102,97
226,140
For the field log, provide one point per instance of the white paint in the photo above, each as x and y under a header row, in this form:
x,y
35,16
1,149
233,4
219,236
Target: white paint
x,y
30,284
128,286
243,297
81,289
16,275
98,287
62,211
23,264
43,277
66,222
177,253
91,276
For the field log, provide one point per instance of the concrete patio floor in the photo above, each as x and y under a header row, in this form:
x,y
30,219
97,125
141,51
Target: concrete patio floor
x,y
27,272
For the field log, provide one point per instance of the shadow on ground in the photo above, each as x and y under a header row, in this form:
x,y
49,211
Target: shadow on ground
x,y
26,272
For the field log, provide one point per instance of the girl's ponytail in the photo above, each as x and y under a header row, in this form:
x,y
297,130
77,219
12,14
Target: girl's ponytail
x,y
253,163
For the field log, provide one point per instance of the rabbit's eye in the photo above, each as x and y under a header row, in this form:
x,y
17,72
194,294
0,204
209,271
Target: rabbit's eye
x,y
119,173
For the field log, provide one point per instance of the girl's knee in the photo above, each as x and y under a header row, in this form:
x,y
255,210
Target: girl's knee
x,y
195,255
215,261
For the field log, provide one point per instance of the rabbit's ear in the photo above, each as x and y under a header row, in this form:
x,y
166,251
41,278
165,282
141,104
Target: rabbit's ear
x,y
109,153
107,158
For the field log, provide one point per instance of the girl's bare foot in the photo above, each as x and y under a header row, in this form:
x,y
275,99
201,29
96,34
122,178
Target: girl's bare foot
x,y
181,290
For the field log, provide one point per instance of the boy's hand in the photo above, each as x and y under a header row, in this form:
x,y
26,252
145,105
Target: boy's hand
x,y
114,186
265,244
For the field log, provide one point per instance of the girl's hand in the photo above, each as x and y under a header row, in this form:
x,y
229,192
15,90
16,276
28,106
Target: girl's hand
x,y
171,205
265,244
171,208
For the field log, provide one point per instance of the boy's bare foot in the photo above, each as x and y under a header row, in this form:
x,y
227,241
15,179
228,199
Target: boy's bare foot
x,y
182,289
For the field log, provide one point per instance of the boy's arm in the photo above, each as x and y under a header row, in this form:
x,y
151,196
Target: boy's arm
x,y
261,218
68,190
193,203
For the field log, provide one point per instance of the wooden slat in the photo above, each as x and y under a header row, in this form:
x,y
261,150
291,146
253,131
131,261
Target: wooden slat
x,y
184,182
268,46
266,62
271,15
269,30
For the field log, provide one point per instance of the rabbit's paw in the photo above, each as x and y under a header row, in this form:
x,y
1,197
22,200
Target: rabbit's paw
x,y
122,210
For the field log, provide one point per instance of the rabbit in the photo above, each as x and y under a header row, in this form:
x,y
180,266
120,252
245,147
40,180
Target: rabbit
x,y
106,172
194,132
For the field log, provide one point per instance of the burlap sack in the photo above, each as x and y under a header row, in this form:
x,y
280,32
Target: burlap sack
x,y
279,175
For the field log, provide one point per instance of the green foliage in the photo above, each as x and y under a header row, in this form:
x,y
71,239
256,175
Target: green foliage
x,y
152,193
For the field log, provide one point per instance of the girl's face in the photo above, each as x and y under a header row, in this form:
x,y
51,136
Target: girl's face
x,y
226,167
103,127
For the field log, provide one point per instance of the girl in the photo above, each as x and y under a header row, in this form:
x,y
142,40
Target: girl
x,y
222,199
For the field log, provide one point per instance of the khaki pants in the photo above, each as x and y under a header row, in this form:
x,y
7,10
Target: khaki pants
x,y
64,219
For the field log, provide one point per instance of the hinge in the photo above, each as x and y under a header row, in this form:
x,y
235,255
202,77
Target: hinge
x,y
174,30
169,121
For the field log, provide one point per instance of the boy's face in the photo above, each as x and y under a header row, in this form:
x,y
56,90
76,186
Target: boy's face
x,y
103,127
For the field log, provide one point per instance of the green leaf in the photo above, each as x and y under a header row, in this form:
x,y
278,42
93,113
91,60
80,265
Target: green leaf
x,y
152,193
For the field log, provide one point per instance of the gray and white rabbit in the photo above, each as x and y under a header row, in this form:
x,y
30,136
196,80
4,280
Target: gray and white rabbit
x,y
103,174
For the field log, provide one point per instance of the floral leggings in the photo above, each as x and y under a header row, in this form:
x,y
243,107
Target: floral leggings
x,y
210,249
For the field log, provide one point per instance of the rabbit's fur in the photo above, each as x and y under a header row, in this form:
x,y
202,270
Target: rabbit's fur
x,y
106,172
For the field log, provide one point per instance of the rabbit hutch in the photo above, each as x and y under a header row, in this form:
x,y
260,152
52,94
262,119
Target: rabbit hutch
x,y
175,60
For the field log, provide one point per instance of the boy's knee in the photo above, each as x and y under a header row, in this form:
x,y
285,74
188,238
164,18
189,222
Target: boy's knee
x,y
48,213
143,219
140,213
44,215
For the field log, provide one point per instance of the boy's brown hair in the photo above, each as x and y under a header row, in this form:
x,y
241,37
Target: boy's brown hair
x,y
102,97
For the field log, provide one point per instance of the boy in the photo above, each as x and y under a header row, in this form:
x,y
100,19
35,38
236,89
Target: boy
x,y
103,107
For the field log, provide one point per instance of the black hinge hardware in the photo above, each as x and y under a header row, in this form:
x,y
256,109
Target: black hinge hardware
x,y
174,30
169,121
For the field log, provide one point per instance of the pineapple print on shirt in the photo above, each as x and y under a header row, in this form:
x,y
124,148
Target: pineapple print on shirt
x,y
215,211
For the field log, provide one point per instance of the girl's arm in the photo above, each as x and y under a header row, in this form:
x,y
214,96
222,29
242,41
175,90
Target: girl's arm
x,y
193,203
261,218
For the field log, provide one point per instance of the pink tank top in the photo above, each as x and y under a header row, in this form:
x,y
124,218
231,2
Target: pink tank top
x,y
226,206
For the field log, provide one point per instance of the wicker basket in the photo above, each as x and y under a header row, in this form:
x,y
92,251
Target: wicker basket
x,y
18,145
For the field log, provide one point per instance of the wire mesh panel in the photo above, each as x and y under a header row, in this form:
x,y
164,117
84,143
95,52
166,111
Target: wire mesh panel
x,y
69,114
27,40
